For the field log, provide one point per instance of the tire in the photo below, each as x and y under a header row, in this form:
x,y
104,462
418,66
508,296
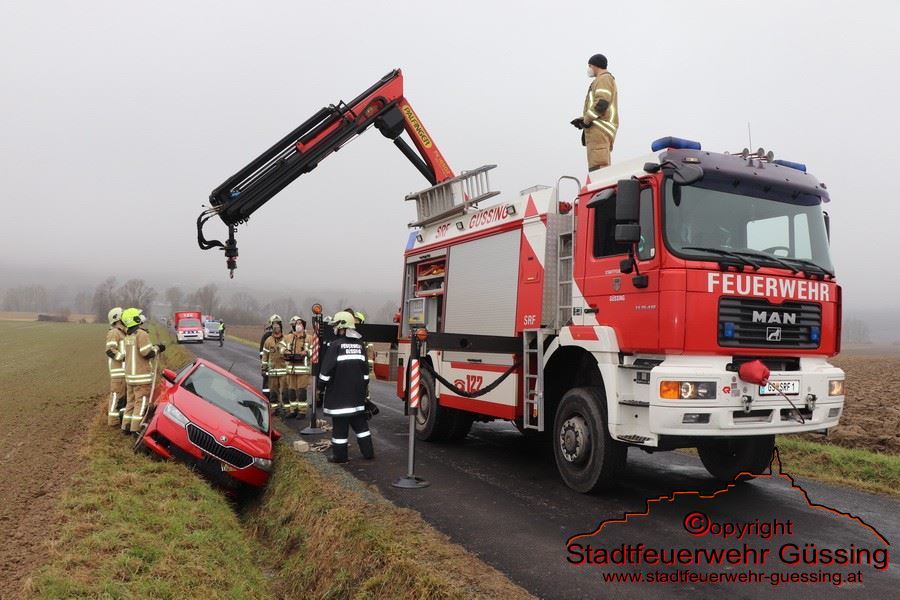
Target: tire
x,y
433,422
725,459
587,458
460,424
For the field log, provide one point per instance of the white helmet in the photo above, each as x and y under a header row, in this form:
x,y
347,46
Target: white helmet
x,y
274,319
114,315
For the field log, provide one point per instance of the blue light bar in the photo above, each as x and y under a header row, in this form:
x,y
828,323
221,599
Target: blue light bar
x,y
791,165
675,143
814,334
728,330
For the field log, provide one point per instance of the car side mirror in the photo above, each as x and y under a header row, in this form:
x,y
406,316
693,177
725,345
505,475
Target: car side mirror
x,y
628,201
628,233
169,375
276,435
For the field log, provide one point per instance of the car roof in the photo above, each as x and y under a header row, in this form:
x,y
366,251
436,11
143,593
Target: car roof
x,y
231,376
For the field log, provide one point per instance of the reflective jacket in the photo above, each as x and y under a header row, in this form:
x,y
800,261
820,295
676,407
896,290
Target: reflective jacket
x,y
272,358
606,122
115,345
138,352
345,373
291,347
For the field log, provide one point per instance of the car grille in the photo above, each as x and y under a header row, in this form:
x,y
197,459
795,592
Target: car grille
x,y
208,444
795,331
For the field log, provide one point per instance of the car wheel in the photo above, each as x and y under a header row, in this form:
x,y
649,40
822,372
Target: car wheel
x,y
725,459
587,458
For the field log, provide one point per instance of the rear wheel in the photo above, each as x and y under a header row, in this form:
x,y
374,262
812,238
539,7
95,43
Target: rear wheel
x,y
432,420
725,459
587,458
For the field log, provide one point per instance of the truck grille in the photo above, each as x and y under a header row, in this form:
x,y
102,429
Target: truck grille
x,y
208,444
757,323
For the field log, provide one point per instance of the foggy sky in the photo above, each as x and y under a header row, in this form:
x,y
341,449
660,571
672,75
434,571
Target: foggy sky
x,y
117,120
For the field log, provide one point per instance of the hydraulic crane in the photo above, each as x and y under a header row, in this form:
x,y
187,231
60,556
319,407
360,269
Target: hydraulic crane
x,y
301,150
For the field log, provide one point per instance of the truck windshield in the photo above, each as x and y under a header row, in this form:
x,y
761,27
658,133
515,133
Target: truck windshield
x,y
768,225
229,396
189,323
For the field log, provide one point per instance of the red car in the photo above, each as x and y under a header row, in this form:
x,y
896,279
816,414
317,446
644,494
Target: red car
x,y
209,418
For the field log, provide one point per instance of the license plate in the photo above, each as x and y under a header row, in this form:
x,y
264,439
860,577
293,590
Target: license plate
x,y
227,467
790,387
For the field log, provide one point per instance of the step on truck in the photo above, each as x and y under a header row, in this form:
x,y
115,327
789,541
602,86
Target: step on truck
x,y
621,318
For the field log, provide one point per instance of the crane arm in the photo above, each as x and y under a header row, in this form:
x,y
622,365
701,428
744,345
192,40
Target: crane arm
x,y
300,151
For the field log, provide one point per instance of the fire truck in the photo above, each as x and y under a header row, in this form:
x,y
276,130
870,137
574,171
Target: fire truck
x,y
619,317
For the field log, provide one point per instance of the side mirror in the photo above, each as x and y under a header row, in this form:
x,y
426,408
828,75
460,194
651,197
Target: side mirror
x,y
628,201
628,233
169,375
276,435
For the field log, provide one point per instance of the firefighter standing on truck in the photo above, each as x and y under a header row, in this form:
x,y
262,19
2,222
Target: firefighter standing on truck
x,y
115,353
139,370
274,365
599,121
344,376
295,348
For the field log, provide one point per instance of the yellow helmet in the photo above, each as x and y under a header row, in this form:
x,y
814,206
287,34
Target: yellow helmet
x,y
132,317
343,320
360,316
114,315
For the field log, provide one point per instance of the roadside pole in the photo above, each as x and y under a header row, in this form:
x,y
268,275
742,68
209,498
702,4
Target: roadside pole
x,y
410,481
313,428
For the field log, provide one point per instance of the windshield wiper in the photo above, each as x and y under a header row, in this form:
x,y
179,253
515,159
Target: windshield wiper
x,y
726,253
254,406
810,264
775,259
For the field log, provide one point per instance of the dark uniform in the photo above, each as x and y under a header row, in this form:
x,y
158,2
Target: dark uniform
x,y
345,375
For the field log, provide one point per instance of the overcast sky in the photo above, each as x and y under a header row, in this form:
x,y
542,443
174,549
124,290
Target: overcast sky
x,y
118,118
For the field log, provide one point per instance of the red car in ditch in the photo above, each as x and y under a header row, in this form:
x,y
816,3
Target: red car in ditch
x,y
215,421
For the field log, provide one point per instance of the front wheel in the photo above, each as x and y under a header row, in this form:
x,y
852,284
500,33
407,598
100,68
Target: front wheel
x,y
587,457
737,458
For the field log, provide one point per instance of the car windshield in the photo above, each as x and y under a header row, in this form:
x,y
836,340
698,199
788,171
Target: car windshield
x,y
229,396
212,324
189,323
718,216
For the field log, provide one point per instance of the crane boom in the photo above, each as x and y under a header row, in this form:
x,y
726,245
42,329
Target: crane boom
x,y
301,150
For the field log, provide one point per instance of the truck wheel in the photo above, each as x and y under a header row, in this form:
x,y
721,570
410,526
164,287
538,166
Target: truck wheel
x,y
460,424
432,420
724,459
587,458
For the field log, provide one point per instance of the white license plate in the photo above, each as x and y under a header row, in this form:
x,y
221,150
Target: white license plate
x,y
790,387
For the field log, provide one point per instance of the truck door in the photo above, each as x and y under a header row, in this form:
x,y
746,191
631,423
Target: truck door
x,y
630,310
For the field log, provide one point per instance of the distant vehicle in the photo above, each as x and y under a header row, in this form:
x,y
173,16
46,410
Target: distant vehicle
x,y
211,330
188,327
215,421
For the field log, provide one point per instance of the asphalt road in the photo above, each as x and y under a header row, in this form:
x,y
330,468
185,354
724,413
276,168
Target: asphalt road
x,y
501,498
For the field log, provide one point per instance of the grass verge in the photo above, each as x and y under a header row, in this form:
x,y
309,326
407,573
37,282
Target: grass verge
x,y
134,527
860,469
338,542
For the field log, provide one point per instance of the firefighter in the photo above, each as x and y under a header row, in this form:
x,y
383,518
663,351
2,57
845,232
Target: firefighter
x,y
115,352
274,365
295,347
344,377
139,370
600,118
221,333
262,342
360,317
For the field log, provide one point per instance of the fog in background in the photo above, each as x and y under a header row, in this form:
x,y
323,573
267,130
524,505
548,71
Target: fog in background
x,y
118,119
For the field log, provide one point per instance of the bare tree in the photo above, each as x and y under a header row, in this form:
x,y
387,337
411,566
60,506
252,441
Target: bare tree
x,y
207,299
855,331
136,293
27,298
175,297
104,298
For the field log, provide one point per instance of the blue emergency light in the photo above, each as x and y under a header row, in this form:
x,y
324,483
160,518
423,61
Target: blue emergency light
x,y
815,334
675,143
728,330
791,165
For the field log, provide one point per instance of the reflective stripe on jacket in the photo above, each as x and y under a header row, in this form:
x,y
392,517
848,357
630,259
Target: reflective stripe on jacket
x,y
603,87
138,352
115,341
272,358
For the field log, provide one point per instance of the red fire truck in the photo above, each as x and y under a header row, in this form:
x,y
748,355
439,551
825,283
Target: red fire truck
x,y
188,327
618,319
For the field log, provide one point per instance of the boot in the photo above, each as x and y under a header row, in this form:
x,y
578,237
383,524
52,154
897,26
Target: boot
x,y
289,404
366,447
338,453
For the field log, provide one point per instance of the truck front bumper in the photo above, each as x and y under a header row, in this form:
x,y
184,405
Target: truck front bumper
x,y
740,408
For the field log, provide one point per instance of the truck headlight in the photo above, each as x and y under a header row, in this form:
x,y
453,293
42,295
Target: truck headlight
x,y
687,390
835,387
175,415
262,463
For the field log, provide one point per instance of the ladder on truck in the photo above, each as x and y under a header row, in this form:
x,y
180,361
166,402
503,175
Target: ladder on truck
x,y
533,377
452,196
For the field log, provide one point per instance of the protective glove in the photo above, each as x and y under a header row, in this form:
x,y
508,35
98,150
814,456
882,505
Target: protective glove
x,y
371,408
577,122
112,354
160,348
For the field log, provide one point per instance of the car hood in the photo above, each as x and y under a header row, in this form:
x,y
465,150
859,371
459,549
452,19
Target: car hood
x,y
219,423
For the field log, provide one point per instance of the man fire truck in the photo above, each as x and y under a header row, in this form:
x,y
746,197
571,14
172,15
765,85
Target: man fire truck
x,y
685,298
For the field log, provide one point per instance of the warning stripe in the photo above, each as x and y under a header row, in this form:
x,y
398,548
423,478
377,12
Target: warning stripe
x,y
414,384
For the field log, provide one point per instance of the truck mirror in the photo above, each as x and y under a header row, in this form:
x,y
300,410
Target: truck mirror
x,y
628,233
628,202
686,174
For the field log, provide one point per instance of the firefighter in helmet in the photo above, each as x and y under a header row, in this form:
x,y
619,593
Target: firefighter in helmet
x,y
344,377
295,347
599,120
139,369
274,365
264,365
115,354
359,318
